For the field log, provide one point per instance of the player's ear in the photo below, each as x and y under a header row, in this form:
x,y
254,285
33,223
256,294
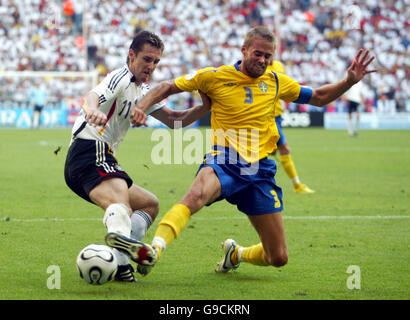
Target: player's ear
x,y
131,55
243,50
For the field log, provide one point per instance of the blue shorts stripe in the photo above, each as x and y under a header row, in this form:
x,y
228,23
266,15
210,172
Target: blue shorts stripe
x,y
282,138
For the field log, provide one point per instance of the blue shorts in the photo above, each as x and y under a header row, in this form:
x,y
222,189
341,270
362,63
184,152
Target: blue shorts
x,y
282,138
251,187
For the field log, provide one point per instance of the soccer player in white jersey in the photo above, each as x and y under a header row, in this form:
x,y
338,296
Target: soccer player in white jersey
x,y
354,98
93,172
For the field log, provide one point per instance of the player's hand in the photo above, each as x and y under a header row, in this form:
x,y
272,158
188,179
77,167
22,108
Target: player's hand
x,y
358,67
138,117
96,118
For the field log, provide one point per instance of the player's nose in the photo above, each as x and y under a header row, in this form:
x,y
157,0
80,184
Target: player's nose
x,y
150,68
263,61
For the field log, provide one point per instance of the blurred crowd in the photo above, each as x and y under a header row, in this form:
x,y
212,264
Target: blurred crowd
x,y
318,39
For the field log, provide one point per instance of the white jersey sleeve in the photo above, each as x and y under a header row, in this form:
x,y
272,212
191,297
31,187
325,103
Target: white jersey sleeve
x,y
110,87
355,92
155,107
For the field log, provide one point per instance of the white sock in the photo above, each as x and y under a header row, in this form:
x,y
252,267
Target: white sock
x,y
296,180
240,254
356,127
117,219
122,258
140,222
160,243
349,126
36,119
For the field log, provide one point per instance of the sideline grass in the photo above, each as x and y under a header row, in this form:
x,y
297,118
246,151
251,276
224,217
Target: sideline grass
x,y
354,177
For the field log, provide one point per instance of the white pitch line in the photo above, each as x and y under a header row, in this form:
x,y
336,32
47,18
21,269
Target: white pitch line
x,y
285,217
344,217
49,219
218,218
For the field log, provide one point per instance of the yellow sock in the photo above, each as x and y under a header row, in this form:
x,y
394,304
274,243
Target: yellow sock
x,y
234,255
290,169
173,223
288,165
254,255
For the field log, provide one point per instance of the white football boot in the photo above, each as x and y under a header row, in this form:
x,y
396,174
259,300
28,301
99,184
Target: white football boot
x,y
138,251
226,264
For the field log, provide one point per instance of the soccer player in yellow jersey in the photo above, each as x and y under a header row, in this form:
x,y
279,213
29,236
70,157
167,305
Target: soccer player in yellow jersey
x,y
243,99
282,144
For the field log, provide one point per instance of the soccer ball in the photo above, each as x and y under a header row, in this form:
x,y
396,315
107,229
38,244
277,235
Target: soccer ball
x,y
97,264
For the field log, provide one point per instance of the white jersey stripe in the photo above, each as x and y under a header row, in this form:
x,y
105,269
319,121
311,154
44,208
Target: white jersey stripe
x,y
97,153
101,159
118,81
115,80
102,99
109,168
115,77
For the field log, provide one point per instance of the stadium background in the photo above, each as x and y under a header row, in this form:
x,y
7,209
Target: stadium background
x,y
66,46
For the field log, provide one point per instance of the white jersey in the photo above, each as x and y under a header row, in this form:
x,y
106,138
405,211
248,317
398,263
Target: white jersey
x,y
355,92
118,94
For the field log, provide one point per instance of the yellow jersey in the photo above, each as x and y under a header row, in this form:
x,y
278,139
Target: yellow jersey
x,y
243,108
278,67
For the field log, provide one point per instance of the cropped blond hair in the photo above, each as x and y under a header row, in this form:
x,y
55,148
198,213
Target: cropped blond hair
x,y
259,32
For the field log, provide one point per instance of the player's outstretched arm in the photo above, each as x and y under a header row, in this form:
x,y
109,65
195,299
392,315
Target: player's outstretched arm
x,y
157,94
357,70
178,118
93,115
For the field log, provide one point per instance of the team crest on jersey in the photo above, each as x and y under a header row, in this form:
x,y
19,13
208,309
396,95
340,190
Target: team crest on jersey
x,y
263,86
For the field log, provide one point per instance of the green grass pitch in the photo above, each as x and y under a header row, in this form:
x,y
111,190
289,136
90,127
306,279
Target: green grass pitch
x,y
358,216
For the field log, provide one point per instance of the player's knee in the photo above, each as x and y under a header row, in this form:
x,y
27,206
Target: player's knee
x,y
153,208
284,149
194,195
194,199
278,260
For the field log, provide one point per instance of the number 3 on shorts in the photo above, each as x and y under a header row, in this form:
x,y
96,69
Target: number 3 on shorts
x,y
275,198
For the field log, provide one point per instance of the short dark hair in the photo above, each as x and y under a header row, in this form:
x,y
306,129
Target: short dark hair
x,y
143,37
